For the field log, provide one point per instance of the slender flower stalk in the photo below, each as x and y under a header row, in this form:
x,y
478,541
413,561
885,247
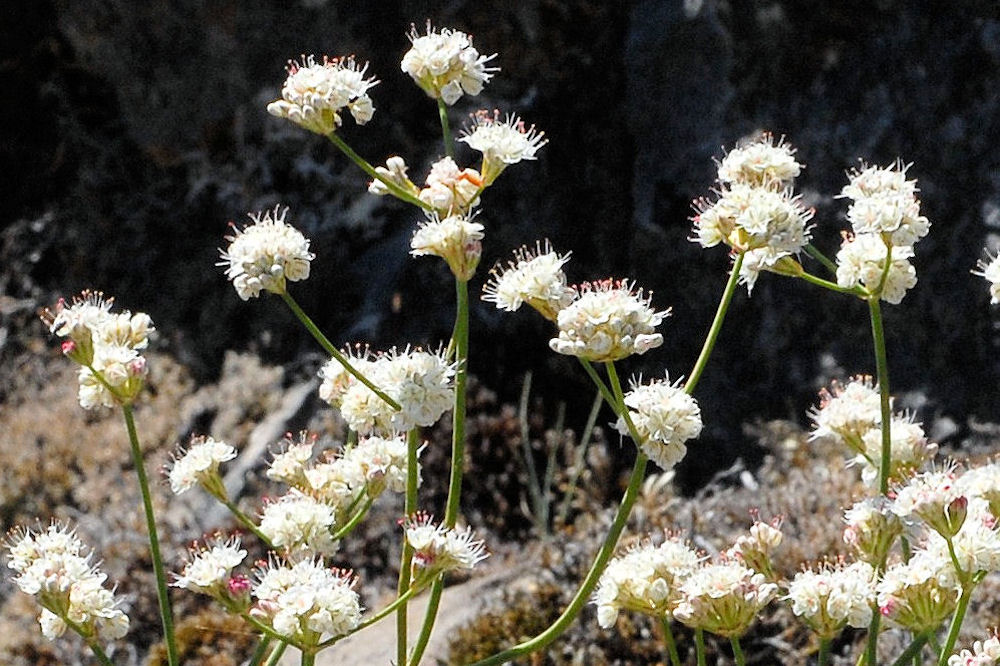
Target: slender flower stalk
x,y
397,603
246,521
365,166
355,520
824,652
699,646
277,654
816,254
668,639
461,347
882,372
333,351
449,142
832,286
261,651
912,652
166,615
406,558
956,622
713,331
737,651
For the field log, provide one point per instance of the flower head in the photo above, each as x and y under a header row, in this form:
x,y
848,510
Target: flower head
x,y
760,162
209,566
438,548
871,529
755,549
502,143
306,601
983,481
450,190
983,653
288,466
534,277
935,498
920,594
395,172
380,462
723,598
746,218
910,451
847,412
315,93
665,417
608,321
976,545
265,255
645,579
299,524
52,565
885,202
834,597
456,239
445,64
419,381
861,261
199,464
989,268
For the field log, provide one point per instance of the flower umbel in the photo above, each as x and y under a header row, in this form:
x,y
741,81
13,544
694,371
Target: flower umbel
x,y
265,255
502,143
445,64
315,93
199,465
665,417
761,163
456,239
534,277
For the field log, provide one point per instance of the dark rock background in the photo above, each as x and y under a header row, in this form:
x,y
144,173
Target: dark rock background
x,y
131,133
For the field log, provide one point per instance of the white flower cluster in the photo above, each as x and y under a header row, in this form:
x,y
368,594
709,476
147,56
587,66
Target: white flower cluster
x,y
665,417
315,93
910,450
210,565
450,190
199,464
723,598
502,143
265,255
106,344
306,601
976,545
445,64
920,594
456,239
419,381
934,497
755,549
886,222
438,548
871,528
395,172
983,653
371,466
608,321
300,525
989,268
833,597
755,211
645,579
534,277
51,565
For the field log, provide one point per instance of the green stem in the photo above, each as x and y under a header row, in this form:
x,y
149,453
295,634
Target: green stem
x,y
406,558
699,646
601,386
956,624
713,331
534,488
589,582
166,615
308,658
815,253
261,651
832,286
668,639
824,652
882,369
277,654
461,341
268,631
355,520
449,143
395,189
737,651
871,648
333,351
246,521
912,651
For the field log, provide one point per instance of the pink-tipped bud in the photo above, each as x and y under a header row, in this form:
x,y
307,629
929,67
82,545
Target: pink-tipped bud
x,y
137,367
238,586
68,347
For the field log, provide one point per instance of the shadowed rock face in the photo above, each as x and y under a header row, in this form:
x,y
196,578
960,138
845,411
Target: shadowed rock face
x,y
133,134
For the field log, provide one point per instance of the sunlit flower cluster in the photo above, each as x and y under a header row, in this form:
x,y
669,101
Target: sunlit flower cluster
x,y
105,344
445,64
723,598
983,653
761,162
299,524
199,464
920,594
664,417
756,548
989,268
266,255
306,601
437,548
871,528
534,277
450,190
608,321
315,94
935,498
885,218
847,412
834,597
209,567
502,142
645,579
456,239
52,565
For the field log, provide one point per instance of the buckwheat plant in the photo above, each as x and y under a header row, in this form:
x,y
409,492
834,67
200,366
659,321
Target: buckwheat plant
x,y
920,541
